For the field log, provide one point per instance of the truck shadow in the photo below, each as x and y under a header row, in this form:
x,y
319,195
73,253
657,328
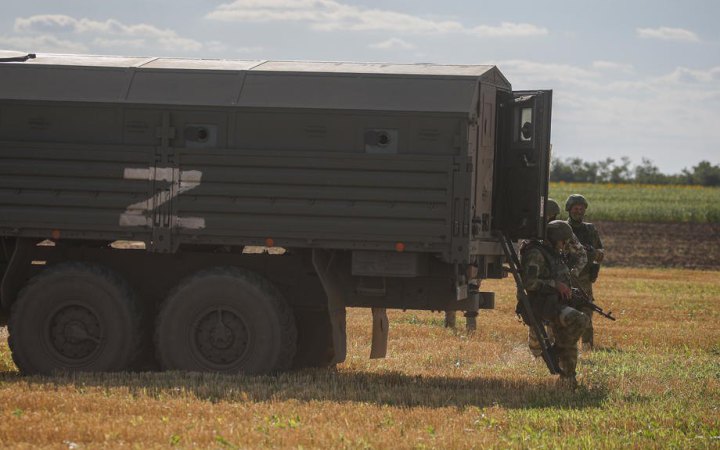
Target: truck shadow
x,y
387,388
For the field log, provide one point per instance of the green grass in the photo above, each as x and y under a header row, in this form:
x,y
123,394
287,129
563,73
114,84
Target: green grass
x,y
644,203
653,382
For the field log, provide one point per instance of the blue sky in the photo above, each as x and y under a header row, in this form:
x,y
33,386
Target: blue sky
x,y
630,78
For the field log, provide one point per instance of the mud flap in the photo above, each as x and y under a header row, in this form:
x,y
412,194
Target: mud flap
x,y
450,318
323,263
380,332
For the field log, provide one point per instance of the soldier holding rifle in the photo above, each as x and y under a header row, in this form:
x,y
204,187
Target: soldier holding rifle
x,y
546,279
574,251
576,205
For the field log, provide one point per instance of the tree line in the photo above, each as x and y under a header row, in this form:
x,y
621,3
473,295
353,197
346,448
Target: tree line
x,y
610,170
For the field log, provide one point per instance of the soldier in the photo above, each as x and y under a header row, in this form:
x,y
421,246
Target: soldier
x,y
576,205
576,257
546,279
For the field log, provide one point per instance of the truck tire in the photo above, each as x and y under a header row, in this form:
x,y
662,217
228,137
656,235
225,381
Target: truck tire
x,y
75,317
225,319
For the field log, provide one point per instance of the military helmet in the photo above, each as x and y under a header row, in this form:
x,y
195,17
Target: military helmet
x,y
551,208
575,199
558,230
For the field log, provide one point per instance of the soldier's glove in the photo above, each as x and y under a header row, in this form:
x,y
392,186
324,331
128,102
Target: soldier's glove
x,y
564,290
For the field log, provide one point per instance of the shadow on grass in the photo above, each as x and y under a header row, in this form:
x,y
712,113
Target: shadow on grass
x,y
388,388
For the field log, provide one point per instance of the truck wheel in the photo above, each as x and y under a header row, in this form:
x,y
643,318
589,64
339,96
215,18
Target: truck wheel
x,y
225,320
77,317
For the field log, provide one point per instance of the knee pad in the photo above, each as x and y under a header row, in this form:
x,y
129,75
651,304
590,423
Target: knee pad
x,y
571,317
566,315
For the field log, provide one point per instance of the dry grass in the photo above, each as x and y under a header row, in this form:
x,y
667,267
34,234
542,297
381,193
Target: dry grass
x,y
654,382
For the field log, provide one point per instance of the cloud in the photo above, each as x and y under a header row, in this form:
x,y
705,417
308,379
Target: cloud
x,y
668,34
600,113
108,33
224,48
548,74
42,42
393,44
694,76
509,29
332,15
612,66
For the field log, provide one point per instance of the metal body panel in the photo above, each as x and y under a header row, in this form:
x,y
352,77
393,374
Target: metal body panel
x,y
239,152
317,198
67,187
343,91
303,198
274,84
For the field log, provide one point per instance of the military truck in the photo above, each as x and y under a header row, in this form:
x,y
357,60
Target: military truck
x,y
132,190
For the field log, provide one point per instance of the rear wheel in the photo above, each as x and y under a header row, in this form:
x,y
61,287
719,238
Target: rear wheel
x,y
77,317
225,320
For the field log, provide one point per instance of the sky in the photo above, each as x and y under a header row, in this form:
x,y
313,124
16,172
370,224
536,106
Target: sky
x,y
630,78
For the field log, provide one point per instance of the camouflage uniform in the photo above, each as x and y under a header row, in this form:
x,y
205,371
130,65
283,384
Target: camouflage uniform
x,y
575,259
588,236
576,256
542,268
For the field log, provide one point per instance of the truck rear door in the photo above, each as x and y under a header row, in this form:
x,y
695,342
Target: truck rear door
x,y
522,163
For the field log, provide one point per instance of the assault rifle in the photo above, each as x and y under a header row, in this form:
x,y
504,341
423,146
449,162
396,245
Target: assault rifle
x,y
580,299
525,310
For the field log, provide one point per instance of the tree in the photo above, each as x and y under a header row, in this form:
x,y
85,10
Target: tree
x,y
610,171
648,173
620,173
704,174
605,170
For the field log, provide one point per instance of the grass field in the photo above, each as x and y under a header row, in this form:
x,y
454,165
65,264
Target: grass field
x,y
653,382
644,203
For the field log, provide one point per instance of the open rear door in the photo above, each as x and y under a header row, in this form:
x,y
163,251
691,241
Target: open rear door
x,y
522,163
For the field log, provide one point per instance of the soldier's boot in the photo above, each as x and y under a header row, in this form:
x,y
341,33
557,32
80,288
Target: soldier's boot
x,y
567,382
567,363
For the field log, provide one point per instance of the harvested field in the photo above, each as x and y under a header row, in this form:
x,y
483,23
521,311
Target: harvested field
x,y
682,245
653,382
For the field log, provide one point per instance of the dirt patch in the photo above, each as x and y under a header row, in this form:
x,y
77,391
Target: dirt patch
x,y
686,245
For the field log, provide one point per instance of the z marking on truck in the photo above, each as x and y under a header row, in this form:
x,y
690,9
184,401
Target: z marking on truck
x,y
180,181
